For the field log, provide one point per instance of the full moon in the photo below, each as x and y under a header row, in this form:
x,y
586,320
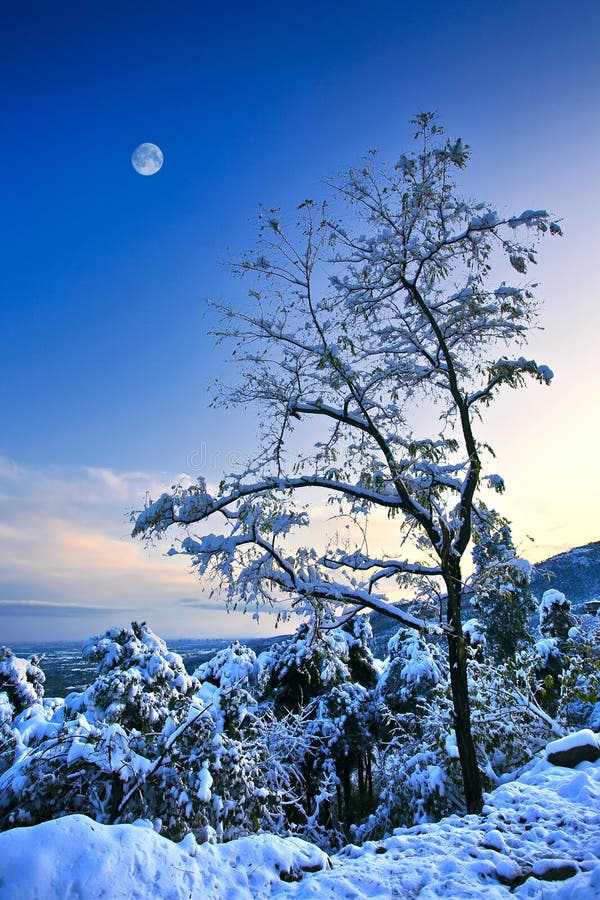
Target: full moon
x,y
147,159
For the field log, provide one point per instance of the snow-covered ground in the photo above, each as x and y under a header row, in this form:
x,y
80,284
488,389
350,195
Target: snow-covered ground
x,y
539,837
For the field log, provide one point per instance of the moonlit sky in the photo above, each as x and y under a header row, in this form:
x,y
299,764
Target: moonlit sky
x,y
106,360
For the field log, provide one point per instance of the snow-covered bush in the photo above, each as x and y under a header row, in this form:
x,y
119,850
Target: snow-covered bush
x,y
359,636
6,709
307,665
555,615
147,740
475,637
418,776
84,755
140,682
559,674
234,670
21,680
312,677
250,781
579,680
412,670
8,739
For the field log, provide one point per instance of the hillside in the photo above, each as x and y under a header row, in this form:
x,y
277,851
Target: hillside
x,y
576,573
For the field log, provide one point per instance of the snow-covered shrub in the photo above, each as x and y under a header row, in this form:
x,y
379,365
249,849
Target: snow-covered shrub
x,y
21,693
510,723
555,615
475,636
147,740
86,754
418,776
233,665
580,674
6,708
307,665
235,671
8,739
411,672
359,636
21,680
311,676
140,682
246,765
557,653
77,768
341,726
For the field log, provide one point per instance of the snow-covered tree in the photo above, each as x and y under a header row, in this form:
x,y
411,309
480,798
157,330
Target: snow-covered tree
x,y
412,670
502,596
311,662
579,700
555,615
139,681
567,660
363,320
418,775
323,678
145,739
21,680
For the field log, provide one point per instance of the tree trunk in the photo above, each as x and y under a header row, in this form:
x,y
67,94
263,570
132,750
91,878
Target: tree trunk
x,y
369,774
116,798
457,656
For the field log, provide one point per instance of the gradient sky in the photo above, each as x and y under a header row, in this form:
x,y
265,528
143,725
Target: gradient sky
x,y
106,360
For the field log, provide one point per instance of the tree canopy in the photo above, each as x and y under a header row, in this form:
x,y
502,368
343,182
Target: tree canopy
x,y
391,298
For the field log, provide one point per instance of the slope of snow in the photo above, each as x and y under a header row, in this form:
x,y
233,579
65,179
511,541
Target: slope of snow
x,y
76,857
539,837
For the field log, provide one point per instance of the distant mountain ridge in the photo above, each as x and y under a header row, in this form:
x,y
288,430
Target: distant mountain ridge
x,y
575,572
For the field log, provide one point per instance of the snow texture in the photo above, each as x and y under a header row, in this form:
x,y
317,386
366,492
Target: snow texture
x,y
538,837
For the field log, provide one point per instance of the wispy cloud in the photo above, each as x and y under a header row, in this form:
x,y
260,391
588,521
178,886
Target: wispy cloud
x,y
69,567
200,603
38,608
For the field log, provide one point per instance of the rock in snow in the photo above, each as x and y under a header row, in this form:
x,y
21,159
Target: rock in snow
x,y
573,749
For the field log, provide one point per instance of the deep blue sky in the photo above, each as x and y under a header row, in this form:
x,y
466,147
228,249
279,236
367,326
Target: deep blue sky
x,y
106,363
105,271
